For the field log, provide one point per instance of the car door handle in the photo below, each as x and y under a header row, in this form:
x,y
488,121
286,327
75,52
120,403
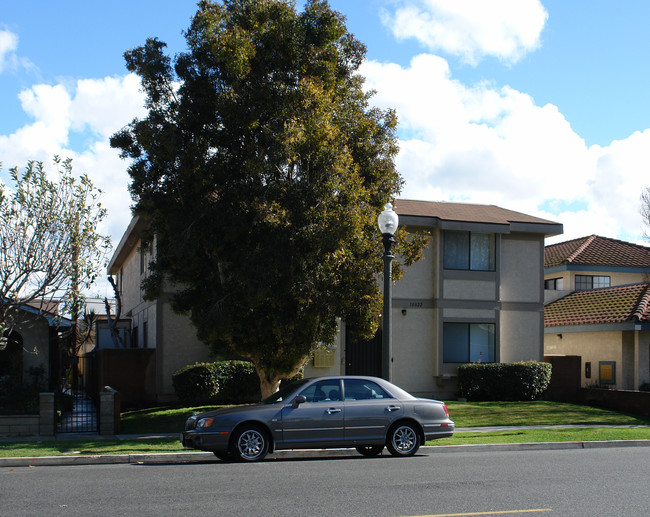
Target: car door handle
x,y
333,410
392,408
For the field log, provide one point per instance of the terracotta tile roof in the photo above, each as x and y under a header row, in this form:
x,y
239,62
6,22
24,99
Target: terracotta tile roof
x,y
608,305
597,251
464,212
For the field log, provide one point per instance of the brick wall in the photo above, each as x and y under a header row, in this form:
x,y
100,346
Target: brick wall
x,y
19,425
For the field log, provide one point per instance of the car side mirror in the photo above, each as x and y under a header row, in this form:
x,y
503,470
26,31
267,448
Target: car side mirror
x,y
299,399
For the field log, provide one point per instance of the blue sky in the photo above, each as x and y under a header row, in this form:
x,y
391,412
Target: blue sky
x,y
540,106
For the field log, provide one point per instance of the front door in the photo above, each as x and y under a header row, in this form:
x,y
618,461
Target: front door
x,y
362,356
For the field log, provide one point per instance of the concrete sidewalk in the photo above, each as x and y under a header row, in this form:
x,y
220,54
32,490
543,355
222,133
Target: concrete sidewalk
x,y
208,457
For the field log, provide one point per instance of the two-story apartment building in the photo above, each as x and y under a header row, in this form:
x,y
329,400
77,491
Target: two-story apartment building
x,y
476,296
598,308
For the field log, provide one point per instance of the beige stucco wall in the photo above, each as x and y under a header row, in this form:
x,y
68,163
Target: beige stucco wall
x,y
178,346
592,347
641,358
418,281
522,260
629,349
520,336
131,279
469,289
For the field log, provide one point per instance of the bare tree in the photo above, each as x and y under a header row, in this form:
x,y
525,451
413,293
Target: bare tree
x,y
50,250
645,209
112,322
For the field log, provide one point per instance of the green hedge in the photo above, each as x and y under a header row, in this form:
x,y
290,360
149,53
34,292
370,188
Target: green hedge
x,y
197,383
239,382
504,381
227,382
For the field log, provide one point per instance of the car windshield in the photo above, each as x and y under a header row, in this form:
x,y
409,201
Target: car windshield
x,y
284,392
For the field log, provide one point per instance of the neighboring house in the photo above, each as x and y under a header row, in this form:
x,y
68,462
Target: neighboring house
x,y
476,296
33,345
597,296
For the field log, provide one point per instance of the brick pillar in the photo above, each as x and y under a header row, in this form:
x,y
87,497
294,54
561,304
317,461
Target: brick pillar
x,y
109,411
47,417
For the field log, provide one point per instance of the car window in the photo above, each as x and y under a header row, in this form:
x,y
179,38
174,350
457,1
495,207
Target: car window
x,y
360,389
323,391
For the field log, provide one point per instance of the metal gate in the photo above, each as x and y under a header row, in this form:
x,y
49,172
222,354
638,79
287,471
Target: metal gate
x,y
77,396
362,356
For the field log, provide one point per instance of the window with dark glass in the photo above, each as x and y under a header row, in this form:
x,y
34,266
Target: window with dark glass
x,y
360,389
586,282
468,343
554,284
472,251
323,391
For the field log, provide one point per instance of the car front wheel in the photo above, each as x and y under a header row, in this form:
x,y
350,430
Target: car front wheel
x,y
250,444
403,440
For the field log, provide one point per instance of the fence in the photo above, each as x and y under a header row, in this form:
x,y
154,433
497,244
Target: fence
x,y
44,423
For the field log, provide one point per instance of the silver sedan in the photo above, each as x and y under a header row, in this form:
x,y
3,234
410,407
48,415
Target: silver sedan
x,y
366,413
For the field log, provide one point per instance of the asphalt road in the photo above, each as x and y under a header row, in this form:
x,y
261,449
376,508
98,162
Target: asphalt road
x,y
574,482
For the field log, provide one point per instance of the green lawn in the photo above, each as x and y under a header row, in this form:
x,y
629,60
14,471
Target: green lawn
x,y
485,414
465,414
546,435
93,447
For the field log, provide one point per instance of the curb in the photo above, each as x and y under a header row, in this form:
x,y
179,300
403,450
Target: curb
x,y
176,458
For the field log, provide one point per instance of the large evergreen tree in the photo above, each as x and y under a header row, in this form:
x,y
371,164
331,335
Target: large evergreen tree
x,y
261,168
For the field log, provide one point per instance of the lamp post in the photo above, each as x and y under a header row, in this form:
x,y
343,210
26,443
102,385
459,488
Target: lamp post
x,y
387,222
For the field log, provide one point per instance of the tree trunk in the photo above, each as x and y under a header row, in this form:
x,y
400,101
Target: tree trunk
x,y
270,383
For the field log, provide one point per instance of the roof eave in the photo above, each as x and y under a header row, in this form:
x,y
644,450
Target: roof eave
x,y
129,240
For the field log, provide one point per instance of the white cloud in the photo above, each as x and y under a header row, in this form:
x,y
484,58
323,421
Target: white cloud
x,y
90,109
8,45
9,60
494,145
105,105
471,29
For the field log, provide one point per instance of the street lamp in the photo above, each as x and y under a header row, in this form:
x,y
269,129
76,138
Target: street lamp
x,y
387,222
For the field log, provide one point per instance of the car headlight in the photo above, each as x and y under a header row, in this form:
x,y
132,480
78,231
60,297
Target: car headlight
x,y
204,422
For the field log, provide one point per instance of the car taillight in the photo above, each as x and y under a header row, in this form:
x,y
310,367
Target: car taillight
x,y
444,406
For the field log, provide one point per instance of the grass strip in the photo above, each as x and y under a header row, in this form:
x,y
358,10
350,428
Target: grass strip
x,y
85,447
545,435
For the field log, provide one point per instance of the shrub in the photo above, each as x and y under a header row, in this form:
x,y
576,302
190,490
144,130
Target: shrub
x,y
645,386
504,381
197,383
226,382
239,382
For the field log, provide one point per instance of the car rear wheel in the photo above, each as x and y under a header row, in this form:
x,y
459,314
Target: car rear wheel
x,y
403,440
224,456
370,450
249,444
